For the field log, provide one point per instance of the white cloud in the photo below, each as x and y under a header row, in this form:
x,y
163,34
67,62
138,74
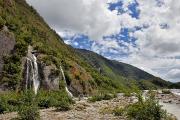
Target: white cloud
x,y
89,17
154,40
158,46
174,75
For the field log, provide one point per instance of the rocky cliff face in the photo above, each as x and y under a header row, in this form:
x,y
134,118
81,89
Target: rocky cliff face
x,y
37,74
80,80
49,77
7,43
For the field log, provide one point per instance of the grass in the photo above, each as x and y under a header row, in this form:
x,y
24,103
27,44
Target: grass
x,y
25,101
102,96
166,91
118,111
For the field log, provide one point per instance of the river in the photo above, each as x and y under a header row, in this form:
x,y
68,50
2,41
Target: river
x,y
172,108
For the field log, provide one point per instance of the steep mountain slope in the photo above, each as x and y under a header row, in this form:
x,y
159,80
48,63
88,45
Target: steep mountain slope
x,y
30,31
117,70
31,38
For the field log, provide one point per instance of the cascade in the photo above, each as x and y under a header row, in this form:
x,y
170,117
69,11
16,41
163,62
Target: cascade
x,y
64,78
27,72
32,74
36,81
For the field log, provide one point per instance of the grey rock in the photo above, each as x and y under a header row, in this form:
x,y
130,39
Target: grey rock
x,y
7,43
50,81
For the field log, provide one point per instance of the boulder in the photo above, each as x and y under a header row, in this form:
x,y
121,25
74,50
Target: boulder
x,y
49,77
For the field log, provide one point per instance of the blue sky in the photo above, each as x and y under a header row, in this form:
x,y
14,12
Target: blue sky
x,y
144,33
84,42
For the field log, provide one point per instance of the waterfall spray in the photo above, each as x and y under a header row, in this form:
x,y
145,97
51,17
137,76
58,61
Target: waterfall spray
x,y
64,78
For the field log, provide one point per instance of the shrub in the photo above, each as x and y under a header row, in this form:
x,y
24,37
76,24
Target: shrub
x,y
48,99
29,112
127,94
146,110
27,98
44,103
118,111
2,22
58,99
8,102
63,106
101,97
3,108
166,91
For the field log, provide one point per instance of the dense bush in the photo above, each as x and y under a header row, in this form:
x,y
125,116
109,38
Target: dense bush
x,y
29,112
48,99
63,106
2,106
148,109
8,102
44,103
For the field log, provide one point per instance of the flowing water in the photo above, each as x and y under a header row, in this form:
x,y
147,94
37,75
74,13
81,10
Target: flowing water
x,y
171,108
27,72
32,74
176,91
36,81
66,88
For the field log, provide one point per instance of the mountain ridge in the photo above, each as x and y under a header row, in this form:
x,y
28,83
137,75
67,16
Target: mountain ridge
x,y
123,69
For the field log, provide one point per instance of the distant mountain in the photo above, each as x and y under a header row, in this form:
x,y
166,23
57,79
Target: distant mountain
x,y
33,55
175,85
116,70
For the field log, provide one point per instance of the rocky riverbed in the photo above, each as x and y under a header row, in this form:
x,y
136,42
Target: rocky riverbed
x,y
83,110
100,110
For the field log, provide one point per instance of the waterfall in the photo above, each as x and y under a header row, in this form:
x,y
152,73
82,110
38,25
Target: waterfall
x,y
64,78
27,72
36,81
32,75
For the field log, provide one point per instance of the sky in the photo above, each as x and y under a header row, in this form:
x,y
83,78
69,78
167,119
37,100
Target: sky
x,y
143,33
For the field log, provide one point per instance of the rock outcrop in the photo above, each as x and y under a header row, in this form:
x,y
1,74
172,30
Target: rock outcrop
x,y
7,43
80,78
49,77
37,74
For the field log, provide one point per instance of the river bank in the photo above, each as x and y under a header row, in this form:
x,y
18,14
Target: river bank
x,y
82,110
170,102
101,110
